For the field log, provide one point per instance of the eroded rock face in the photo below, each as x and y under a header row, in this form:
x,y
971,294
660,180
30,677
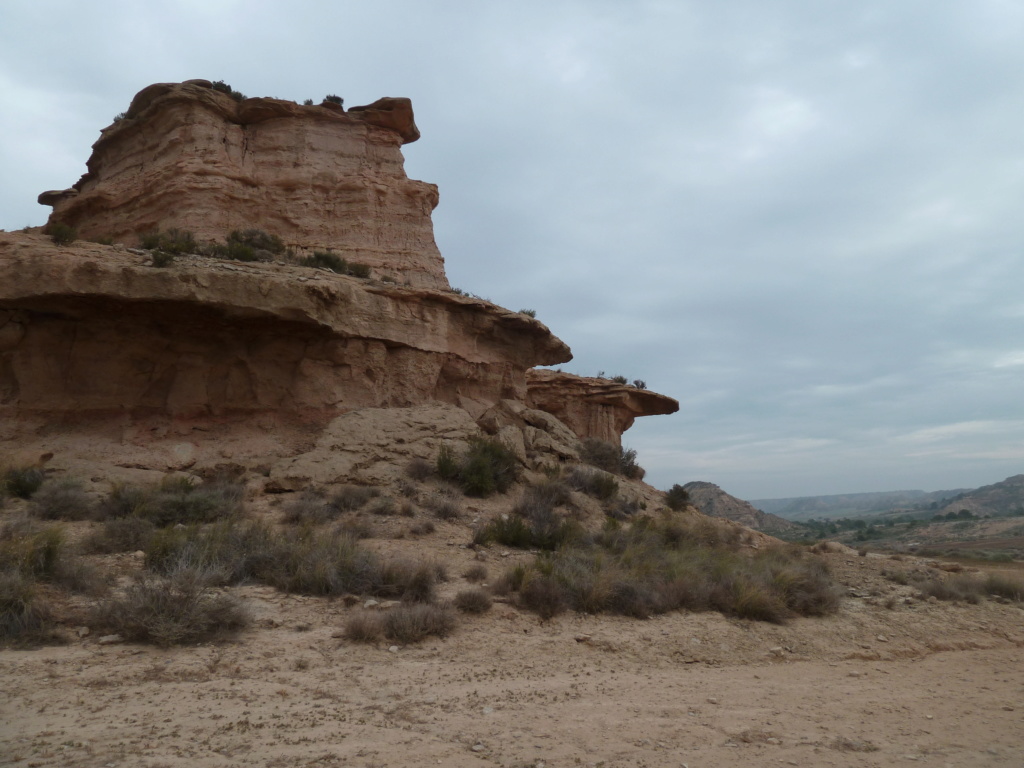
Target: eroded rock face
x,y
92,329
191,157
593,407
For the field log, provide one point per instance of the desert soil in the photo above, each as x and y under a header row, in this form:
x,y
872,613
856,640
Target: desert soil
x,y
891,680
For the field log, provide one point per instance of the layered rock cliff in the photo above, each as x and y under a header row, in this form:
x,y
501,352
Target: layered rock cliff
x,y
188,156
110,354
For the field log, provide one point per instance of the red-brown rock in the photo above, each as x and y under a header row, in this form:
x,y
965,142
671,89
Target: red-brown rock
x,y
594,407
191,157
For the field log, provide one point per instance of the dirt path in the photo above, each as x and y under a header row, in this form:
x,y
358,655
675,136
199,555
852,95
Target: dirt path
x,y
694,690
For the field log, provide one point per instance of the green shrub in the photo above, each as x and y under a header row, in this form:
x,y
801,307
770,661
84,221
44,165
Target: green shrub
x,y
61,234
170,243
334,99
22,482
677,498
485,468
61,500
220,85
174,609
597,483
333,262
307,103
174,501
528,312
611,458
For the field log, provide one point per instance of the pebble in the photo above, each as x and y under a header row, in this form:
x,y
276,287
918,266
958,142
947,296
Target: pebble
x,y
882,639
712,700
110,639
393,649
478,747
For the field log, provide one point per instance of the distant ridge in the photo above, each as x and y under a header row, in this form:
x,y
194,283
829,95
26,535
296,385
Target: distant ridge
x,y
852,504
714,502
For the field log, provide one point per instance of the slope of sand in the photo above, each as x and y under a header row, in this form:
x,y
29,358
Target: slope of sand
x,y
933,683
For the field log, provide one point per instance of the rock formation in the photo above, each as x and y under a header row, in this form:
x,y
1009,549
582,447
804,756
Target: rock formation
x,y
109,355
188,156
594,407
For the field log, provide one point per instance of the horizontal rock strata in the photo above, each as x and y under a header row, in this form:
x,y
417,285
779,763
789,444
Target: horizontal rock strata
x,y
594,407
91,328
188,156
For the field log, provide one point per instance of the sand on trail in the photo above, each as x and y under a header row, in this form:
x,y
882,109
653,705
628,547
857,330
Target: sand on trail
x,y
889,681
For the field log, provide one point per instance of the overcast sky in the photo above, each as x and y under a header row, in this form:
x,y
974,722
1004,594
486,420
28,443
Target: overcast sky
x,y
803,220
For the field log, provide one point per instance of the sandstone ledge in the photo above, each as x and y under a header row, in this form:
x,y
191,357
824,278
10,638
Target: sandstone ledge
x,y
593,407
92,328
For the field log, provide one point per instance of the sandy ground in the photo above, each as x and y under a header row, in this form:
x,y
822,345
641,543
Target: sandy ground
x,y
889,681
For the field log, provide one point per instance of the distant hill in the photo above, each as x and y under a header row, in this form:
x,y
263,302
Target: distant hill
x,y
854,504
714,502
1003,498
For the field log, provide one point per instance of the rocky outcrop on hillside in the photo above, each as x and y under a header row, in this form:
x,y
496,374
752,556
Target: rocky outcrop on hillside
x,y
714,502
1003,498
112,356
594,407
189,156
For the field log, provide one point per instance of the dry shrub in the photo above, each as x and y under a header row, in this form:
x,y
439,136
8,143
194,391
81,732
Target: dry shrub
x,y
310,508
475,573
656,566
353,497
383,507
1007,587
445,504
593,482
414,622
423,529
955,588
543,595
61,500
419,470
473,601
364,627
26,619
175,609
311,561
175,501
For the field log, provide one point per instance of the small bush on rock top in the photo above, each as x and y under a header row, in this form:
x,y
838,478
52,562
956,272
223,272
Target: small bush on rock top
x,y
333,262
220,85
334,99
170,242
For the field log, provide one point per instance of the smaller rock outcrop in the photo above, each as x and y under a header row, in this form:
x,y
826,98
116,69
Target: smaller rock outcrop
x,y
594,407
714,502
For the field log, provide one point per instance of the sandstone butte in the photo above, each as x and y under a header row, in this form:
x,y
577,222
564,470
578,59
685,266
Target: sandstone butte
x,y
301,373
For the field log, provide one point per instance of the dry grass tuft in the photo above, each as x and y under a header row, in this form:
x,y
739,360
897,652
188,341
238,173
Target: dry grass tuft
x,y
473,601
